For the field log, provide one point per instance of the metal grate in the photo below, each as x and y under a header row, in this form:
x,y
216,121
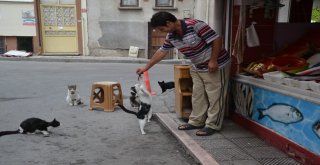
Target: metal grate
x,y
282,161
229,154
248,142
216,143
265,152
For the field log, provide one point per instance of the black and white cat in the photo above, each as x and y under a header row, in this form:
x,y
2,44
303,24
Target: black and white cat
x,y
134,98
73,98
141,97
31,125
166,85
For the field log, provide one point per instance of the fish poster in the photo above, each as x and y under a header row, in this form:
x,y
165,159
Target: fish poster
x,y
281,112
295,119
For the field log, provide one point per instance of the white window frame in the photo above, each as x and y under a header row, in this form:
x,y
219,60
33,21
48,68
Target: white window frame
x,y
168,5
135,6
165,7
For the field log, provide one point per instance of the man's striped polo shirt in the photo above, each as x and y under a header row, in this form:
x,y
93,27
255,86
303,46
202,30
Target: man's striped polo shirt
x,y
196,44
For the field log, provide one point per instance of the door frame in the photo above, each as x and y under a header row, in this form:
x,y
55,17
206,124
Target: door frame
x,y
79,29
170,55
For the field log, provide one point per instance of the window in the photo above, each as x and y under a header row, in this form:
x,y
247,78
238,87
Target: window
x,y
299,11
129,3
72,2
164,3
315,16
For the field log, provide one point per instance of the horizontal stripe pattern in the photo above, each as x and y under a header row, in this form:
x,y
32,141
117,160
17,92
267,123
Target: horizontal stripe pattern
x,y
196,44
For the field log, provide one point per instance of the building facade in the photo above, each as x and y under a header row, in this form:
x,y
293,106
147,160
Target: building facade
x,y
95,28
18,25
114,26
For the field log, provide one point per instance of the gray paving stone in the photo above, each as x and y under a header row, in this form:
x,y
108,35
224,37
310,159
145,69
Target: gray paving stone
x,y
236,133
192,133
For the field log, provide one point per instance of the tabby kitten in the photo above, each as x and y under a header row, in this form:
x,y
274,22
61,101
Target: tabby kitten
x,y
73,98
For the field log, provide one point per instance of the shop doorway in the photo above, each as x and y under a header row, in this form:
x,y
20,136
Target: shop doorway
x,y
2,45
25,43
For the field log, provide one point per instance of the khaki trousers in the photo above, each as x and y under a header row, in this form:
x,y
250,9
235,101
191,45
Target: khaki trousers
x,y
208,97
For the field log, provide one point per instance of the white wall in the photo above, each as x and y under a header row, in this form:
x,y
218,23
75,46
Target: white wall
x,y
12,21
110,28
84,20
210,11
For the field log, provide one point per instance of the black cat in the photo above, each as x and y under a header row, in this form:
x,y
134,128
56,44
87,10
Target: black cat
x,y
31,125
166,85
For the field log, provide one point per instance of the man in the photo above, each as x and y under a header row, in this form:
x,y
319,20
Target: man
x,y
210,68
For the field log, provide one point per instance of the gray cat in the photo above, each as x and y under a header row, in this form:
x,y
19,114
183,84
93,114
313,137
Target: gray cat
x,y
73,98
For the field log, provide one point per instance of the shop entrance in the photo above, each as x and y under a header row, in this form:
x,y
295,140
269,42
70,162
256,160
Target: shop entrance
x,y
25,43
1,45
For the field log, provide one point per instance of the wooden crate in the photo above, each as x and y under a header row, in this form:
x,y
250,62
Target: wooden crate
x,y
183,89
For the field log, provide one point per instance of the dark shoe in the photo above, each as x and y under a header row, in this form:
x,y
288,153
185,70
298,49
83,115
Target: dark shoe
x,y
188,127
206,131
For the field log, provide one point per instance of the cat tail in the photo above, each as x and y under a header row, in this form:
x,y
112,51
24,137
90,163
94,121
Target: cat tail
x,y
126,110
9,132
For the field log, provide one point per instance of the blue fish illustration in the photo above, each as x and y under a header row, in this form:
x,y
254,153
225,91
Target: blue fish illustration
x,y
316,128
281,112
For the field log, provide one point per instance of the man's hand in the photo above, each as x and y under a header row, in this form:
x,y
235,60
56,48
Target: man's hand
x,y
158,56
212,66
140,71
216,48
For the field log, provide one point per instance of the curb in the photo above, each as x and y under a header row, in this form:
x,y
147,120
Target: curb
x,y
195,150
87,59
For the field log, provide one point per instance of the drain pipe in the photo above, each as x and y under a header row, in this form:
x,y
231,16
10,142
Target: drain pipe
x,y
207,12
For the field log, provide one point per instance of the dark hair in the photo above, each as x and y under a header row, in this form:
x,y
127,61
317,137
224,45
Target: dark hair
x,y
161,18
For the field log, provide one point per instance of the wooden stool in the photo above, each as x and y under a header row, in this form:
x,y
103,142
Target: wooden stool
x,y
105,95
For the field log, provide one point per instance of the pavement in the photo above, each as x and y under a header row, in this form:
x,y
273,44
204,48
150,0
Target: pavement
x,y
232,145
